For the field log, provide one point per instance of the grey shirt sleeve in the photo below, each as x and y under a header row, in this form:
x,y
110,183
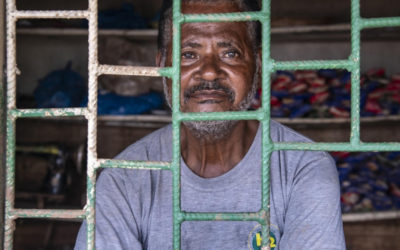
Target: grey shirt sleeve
x,y
116,224
313,217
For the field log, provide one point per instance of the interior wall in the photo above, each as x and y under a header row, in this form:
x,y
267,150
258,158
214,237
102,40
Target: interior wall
x,y
146,8
38,55
374,54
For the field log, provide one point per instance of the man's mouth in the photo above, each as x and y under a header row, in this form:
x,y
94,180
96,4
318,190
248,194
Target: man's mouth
x,y
209,96
209,92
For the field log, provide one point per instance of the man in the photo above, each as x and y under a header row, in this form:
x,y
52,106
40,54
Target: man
x,y
221,160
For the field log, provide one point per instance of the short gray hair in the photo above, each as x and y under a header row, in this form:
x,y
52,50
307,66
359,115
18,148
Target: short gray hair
x,y
165,23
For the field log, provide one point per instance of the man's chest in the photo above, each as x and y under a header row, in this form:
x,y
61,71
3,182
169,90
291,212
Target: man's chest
x,y
209,234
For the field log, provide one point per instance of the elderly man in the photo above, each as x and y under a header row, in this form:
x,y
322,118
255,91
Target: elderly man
x,y
221,160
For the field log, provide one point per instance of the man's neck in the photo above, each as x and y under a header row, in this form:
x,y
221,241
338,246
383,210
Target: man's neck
x,y
209,158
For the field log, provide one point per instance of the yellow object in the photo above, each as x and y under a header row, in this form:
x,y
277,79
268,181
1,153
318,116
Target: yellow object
x,y
258,239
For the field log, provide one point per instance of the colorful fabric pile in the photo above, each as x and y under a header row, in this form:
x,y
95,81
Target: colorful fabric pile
x,y
326,93
369,181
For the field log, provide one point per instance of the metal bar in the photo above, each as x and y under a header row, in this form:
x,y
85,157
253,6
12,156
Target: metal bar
x,y
152,33
10,125
380,22
144,165
167,72
266,145
92,124
128,70
65,112
48,213
259,217
347,147
10,184
145,34
311,28
47,14
355,72
176,151
2,122
233,115
225,17
11,55
125,119
313,64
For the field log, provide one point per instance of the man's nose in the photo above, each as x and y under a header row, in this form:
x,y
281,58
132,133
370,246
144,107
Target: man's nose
x,y
210,68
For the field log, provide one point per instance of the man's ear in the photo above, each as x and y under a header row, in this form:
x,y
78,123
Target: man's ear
x,y
158,59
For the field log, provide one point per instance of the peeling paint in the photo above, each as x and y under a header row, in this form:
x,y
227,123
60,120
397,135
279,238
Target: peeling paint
x,y
128,70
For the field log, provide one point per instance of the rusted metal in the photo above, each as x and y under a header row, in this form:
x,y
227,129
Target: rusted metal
x,y
47,213
2,122
144,165
128,70
57,14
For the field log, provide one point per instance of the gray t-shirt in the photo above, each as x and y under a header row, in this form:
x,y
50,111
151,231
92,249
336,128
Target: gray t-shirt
x,y
134,207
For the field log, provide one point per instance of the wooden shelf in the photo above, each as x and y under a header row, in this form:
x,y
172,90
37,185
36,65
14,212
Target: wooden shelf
x,y
152,33
138,34
335,31
371,216
305,121
126,119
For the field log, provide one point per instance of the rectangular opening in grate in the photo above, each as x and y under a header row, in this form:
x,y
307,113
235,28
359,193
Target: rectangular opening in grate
x,y
50,163
52,65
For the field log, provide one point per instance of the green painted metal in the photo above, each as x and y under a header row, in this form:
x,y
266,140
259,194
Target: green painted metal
x,y
145,165
230,17
347,147
379,22
263,115
232,115
48,112
313,64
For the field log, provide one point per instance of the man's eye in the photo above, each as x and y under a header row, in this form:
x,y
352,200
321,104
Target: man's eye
x,y
188,55
231,54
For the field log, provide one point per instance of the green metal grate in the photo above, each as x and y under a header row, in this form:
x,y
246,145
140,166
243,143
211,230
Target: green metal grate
x,y
352,64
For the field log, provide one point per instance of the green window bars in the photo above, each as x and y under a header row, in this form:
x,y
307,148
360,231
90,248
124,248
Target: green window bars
x,y
352,64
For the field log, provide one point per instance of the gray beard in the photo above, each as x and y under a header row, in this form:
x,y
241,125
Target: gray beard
x,y
215,130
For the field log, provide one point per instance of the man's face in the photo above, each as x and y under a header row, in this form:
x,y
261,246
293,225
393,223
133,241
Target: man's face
x,y
217,62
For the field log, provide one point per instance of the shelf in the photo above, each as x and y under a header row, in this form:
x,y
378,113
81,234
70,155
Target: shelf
x,y
371,216
152,33
139,34
331,32
41,198
38,195
306,121
123,119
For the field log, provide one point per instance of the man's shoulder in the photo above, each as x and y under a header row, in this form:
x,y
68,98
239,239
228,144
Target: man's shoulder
x,y
300,158
282,133
146,149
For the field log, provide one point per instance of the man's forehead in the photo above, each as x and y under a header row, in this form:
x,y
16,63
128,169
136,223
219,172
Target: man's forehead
x,y
196,43
223,34
207,7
